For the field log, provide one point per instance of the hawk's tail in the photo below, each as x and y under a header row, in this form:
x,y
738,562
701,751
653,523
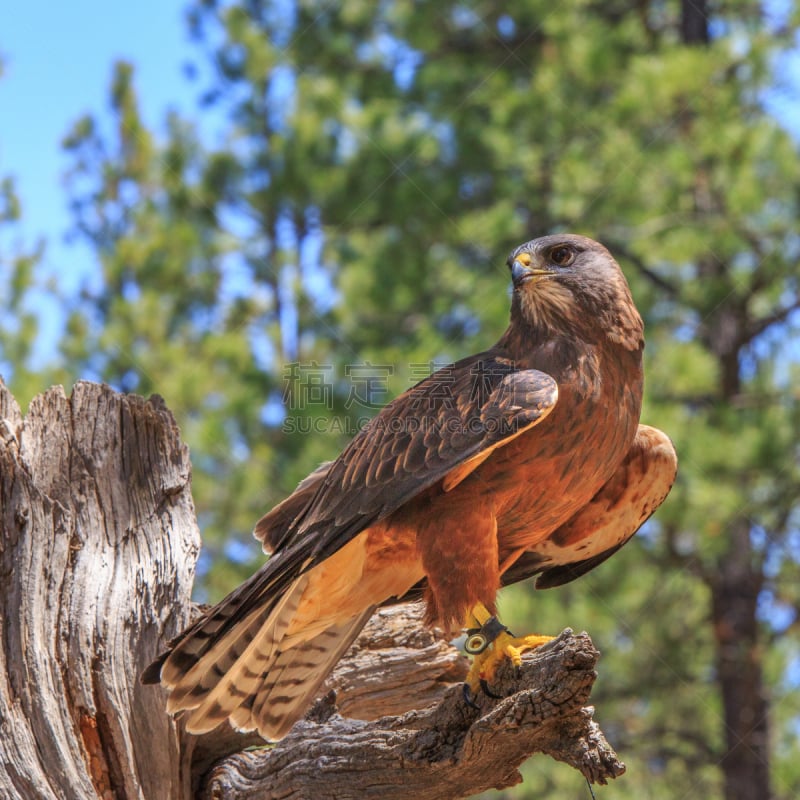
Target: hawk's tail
x,y
259,657
250,666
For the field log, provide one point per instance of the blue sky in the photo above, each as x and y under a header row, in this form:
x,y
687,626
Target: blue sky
x,y
57,60
57,66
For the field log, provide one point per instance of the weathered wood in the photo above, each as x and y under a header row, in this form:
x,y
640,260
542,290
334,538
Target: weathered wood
x,y
98,544
97,555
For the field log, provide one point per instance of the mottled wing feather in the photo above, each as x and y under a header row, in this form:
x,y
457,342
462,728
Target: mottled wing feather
x,y
415,442
565,573
270,528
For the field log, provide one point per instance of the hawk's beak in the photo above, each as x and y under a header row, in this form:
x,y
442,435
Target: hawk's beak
x,y
523,271
520,273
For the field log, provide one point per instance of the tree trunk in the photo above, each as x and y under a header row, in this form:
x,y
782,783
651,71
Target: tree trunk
x,y
694,21
734,596
98,545
97,556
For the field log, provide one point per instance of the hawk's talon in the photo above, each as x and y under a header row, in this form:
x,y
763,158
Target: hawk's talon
x,y
468,697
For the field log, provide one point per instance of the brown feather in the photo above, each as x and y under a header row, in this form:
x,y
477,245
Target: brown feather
x,y
296,677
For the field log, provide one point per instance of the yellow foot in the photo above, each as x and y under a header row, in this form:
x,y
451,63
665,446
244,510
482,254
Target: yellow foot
x,y
490,644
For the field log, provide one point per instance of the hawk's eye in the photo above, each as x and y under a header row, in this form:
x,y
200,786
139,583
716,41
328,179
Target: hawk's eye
x,y
562,255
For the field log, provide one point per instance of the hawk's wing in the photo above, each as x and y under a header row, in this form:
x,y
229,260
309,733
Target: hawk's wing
x,y
270,529
439,429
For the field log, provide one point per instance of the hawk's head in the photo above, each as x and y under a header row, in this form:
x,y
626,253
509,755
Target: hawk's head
x,y
568,284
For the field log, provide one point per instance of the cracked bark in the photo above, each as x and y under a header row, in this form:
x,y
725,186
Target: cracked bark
x,y
98,545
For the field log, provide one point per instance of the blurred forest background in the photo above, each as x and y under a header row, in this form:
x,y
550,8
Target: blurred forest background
x,y
380,159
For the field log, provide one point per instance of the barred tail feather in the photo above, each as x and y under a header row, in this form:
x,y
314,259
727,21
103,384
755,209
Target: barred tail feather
x,y
249,670
259,657
294,680
254,599
221,678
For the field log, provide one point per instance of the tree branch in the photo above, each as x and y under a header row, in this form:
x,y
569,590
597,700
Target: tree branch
x,y
659,281
779,315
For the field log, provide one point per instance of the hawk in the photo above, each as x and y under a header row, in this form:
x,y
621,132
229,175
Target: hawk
x,y
533,463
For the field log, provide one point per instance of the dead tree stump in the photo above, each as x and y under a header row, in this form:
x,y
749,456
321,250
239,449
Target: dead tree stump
x,y
98,546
